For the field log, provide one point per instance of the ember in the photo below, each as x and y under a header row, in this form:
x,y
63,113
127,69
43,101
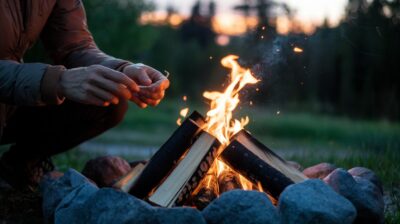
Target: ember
x,y
297,50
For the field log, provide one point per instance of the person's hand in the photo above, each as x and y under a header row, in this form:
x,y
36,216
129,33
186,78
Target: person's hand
x,y
96,85
152,84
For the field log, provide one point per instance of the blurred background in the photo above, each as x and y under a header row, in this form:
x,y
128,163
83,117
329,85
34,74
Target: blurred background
x,y
330,72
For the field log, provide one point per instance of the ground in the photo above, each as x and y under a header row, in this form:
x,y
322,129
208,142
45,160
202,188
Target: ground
x,y
303,137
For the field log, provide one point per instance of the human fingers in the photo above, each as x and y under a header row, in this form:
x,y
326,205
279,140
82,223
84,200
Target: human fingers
x,y
118,77
148,101
137,101
138,74
103,95
112,87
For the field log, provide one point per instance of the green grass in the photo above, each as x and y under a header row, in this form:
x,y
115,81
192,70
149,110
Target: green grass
x,y
303,137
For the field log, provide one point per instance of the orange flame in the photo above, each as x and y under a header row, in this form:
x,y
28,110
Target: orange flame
x,y
183,114
297,50
219,118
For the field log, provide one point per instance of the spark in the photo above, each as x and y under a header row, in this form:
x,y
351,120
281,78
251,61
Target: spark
x,y
297,50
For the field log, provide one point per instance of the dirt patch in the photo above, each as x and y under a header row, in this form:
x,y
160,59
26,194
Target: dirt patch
x,y
19,207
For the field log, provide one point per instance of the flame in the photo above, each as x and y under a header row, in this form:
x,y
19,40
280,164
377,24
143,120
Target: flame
x,y
179,121
297,50
219,120
183,114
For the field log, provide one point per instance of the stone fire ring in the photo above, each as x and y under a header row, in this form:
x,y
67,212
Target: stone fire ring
x,y
338,196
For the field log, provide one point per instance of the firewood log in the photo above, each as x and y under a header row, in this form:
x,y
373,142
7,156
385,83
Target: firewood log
x,y
207,192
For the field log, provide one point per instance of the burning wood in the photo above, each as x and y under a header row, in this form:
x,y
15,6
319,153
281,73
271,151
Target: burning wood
x,y
182,168
207,190
127,181
259,164
229,180
186,176
167,156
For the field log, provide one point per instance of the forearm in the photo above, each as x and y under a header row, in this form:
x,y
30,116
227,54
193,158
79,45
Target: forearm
x,y
69,41
89,54
22,84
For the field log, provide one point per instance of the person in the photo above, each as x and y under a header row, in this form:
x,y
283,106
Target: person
x,y
48,109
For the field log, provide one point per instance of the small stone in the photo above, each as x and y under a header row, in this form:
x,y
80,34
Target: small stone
x,y
106,170
294,164
364,195
178,215
367,174
319,171
312,201
54,190
238,206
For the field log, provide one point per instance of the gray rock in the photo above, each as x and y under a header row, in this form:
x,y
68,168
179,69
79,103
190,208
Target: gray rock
x,y
178,216
312,201
72,208
108,205
319,171
238,206
54,190
367,174
364,195
106,170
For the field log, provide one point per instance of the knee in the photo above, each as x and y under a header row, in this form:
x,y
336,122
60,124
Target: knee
x,y
116,113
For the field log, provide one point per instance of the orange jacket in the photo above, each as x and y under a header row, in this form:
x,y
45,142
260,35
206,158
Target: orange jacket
x,y
62,27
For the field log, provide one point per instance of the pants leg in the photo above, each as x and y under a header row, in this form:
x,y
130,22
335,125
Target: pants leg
x,y
45,131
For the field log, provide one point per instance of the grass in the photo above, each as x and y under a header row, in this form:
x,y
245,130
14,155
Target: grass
x,y
306,138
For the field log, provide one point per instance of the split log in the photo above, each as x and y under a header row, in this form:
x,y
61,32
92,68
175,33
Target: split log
x,y
248,164
166,158
207,192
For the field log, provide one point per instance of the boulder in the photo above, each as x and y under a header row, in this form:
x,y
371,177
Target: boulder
x,y
312,201
108,205
366,174
178,216
55,189
106,170
238,206
319,171
364,195
72,208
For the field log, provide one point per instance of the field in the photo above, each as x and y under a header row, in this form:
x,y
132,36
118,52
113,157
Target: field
x,y
302,137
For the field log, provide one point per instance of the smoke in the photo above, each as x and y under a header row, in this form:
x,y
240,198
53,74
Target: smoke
x,y
272,54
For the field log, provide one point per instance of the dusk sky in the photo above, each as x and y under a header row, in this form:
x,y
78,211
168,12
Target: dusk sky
x,y
313,11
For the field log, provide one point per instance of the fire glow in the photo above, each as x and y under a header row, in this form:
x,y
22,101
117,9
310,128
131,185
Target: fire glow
x,y
220,122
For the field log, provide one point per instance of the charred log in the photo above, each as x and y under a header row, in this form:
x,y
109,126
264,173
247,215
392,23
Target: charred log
x,y
228,180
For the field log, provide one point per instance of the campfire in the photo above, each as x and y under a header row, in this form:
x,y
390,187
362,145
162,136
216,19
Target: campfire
x,y
207,156
198,171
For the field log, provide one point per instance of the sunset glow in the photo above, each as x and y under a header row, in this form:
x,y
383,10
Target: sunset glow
x,y
306,15
228,24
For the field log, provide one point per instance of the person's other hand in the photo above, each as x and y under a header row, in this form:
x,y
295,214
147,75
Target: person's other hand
x,y
152,84
96,85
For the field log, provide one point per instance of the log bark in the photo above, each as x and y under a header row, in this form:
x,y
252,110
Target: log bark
x,y
165,159
207,192
243,161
